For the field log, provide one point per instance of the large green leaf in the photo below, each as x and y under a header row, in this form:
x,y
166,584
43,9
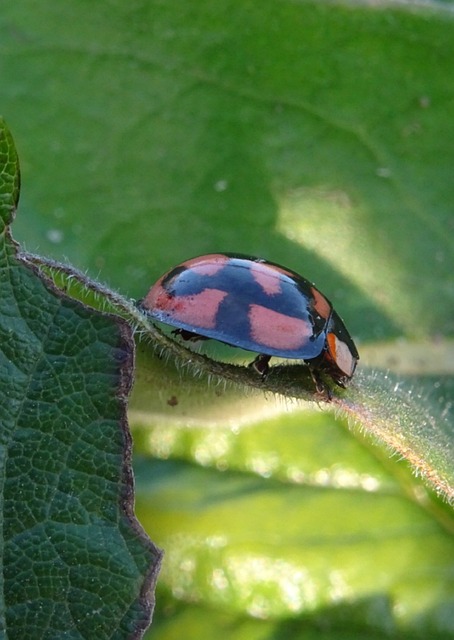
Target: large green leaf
x,y
75,562
317,135
277,551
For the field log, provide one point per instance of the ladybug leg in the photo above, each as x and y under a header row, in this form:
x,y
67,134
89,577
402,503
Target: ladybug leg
x,y
188,335
320,386
260,364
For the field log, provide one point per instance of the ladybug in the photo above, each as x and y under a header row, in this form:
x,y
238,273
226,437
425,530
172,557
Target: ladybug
x,y
257,305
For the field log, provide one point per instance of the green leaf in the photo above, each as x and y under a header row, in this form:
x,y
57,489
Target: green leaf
x,y
386,538
409,421
9,178
278,551
312,134
75,562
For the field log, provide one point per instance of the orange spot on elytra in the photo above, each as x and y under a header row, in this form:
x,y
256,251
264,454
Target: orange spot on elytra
x,y
206,265
267,278
277,330
321,304
198,310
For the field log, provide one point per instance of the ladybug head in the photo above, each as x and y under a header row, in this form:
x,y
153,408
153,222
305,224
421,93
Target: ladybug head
x,y
340,356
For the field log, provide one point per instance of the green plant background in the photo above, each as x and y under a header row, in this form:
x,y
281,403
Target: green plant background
x,y
318,135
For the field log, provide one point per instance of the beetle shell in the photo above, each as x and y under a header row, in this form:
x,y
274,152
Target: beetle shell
x,y
257,305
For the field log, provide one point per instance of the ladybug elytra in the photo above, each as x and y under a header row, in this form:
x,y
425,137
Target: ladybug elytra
x,y
256,305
